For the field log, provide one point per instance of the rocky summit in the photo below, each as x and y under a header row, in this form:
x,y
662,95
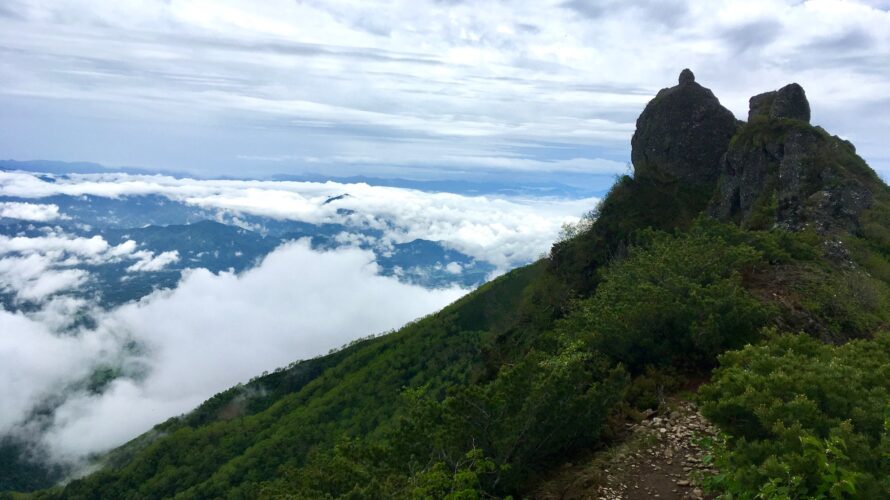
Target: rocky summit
x,y
778,170
682,134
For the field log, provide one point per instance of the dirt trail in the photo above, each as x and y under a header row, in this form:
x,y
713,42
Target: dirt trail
x,y
660,459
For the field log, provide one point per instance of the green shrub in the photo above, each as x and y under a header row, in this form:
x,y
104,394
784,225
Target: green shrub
x,y
676,300
533,412
803,419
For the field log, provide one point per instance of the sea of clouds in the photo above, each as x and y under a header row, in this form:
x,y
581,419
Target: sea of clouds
x,y
506,231
175,348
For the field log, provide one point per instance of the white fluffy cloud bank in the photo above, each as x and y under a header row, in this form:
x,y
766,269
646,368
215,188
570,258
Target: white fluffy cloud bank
x,y
36,268
506,231
206,335
29,211
215,330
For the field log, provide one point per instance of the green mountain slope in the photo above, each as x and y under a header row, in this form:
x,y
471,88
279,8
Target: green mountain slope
x,y
483,397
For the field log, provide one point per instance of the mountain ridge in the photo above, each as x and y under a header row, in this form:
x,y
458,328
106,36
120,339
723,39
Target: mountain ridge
x,y
552,359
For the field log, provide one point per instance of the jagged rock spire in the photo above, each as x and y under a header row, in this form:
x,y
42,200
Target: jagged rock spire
x,y
682,134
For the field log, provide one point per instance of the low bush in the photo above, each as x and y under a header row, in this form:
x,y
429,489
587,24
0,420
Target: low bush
x,y
802,419
677,300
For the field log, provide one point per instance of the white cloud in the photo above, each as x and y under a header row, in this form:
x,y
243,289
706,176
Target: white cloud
x,y
206,335
502,85
506,231
36,364
35,269
29,211
150,262
33,278
91,248
454,268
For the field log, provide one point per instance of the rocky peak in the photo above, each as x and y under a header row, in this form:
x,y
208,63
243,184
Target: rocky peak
x,y
682,134
789,101
780,171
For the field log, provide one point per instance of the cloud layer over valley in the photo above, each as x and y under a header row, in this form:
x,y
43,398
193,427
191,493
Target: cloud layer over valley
x,y
505,231
79,376
173,349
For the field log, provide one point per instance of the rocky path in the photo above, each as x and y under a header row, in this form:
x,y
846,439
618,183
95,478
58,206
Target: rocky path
x,y
660,459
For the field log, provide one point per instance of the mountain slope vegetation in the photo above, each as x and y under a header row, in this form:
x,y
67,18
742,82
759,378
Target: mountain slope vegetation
x,y
674,275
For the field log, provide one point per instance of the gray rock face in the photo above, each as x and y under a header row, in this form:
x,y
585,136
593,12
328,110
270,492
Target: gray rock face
x,y
682,134
789,176
788,102
760,105
791,102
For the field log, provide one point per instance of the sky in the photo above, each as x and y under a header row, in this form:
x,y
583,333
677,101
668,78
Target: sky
x,y
423,89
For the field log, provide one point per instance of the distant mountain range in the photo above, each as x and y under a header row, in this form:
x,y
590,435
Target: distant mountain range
x,y
203,238
585,186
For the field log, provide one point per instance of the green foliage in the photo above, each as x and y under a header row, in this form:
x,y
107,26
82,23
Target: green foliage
x,y
675,300
479,440
871,246
843,303
463,482
762,131
630,206
18,474
803,419
650,389
540,408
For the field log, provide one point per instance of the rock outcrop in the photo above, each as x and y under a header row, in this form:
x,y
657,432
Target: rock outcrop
x,y
682,134
788,102
780,171
776,170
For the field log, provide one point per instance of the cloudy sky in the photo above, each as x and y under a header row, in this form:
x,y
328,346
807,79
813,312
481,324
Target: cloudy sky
x,y
420,88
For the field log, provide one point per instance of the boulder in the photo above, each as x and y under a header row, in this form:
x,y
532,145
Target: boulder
x,y
788,102
791,102
759,105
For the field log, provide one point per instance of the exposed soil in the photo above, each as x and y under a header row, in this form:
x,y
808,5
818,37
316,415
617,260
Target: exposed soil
x,y
661,458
